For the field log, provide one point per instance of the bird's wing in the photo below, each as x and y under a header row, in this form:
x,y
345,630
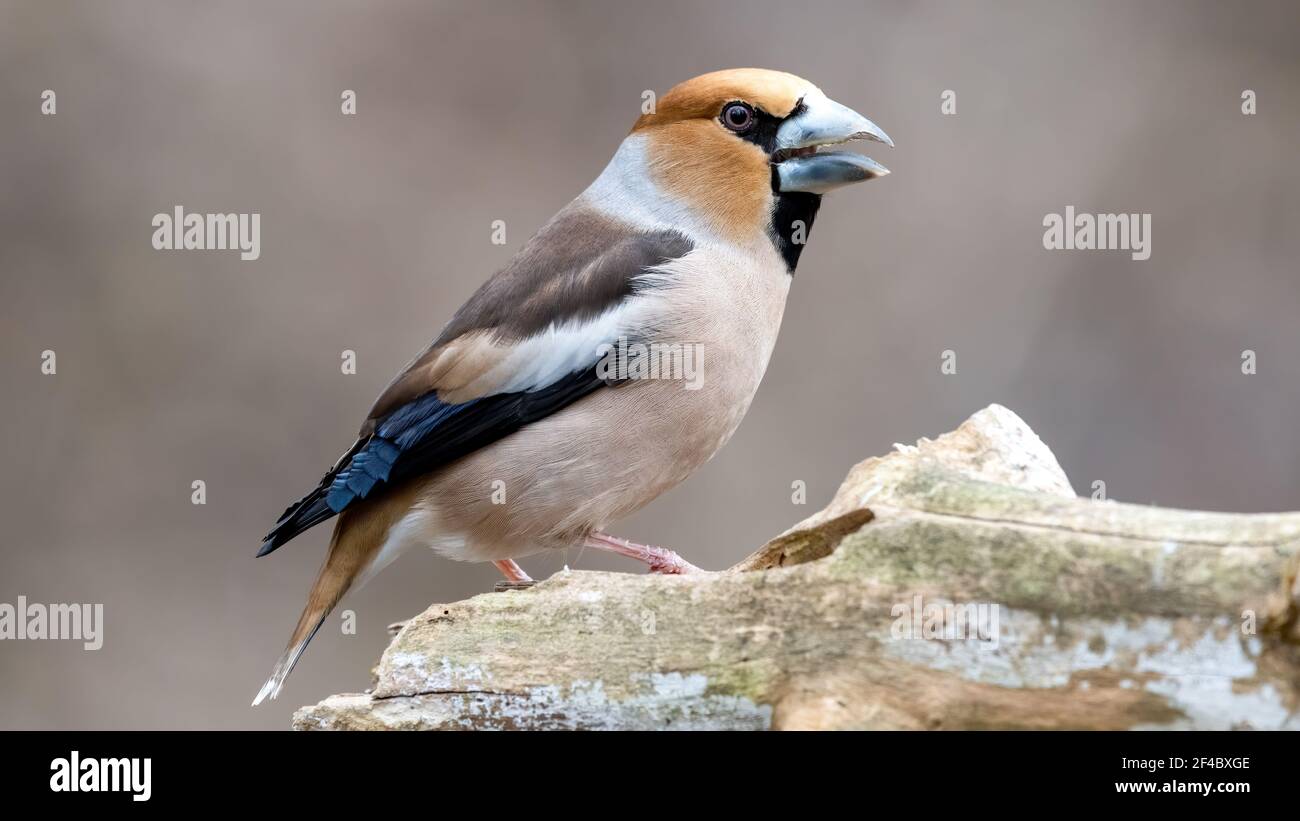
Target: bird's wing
x,y
523,347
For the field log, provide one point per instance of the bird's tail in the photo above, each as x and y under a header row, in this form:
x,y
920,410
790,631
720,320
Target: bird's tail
x,y
348,556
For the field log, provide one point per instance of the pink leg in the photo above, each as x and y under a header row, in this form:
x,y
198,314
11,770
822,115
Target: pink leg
x,y
512,571
661,560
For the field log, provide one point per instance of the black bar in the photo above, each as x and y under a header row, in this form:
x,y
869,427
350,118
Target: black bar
x,y
981,770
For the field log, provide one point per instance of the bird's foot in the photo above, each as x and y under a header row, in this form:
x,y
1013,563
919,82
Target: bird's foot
x,y
659,559
512,571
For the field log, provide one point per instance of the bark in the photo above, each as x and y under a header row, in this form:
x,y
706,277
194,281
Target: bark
x,y
958,583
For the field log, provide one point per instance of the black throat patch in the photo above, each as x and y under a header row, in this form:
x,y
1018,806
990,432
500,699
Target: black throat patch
x,y
792,220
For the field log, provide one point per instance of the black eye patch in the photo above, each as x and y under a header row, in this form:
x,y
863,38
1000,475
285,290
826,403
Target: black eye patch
x,y
760,130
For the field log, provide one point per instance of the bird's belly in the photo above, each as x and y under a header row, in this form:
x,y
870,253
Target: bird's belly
x,y
616,450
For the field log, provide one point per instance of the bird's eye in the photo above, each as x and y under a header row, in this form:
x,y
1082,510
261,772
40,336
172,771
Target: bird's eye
x,y
737,116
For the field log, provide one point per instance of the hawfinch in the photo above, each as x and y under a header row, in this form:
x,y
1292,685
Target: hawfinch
x,y
524,427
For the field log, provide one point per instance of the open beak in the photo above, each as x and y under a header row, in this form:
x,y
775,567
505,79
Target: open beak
x,y
800,166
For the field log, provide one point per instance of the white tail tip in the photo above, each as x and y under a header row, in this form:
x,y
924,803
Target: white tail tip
x,y
271,689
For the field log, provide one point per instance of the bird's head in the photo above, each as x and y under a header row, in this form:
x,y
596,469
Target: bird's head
x,y
742,149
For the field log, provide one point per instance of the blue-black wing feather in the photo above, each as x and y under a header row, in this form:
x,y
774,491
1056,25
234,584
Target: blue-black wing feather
x,y
422,435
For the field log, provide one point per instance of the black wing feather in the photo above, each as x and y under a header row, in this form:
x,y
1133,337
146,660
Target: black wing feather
x,y
418,437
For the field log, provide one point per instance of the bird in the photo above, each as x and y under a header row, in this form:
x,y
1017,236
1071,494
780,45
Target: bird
x,y
516,431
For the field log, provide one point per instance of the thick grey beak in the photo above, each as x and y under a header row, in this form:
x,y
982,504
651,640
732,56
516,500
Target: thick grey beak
x,y
800,167
819,173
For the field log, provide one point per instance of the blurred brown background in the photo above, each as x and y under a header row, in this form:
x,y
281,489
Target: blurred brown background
x,y
176,366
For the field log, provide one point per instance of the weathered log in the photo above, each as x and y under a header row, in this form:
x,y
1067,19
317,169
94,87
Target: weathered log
x,y
958,583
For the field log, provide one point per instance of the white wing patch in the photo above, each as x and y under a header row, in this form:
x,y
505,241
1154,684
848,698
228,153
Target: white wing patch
x,y
542,360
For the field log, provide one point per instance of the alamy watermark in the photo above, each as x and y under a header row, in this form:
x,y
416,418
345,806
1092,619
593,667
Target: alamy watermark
x,y
77,774
180,231
68,622
1099,232
682,361
918,620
